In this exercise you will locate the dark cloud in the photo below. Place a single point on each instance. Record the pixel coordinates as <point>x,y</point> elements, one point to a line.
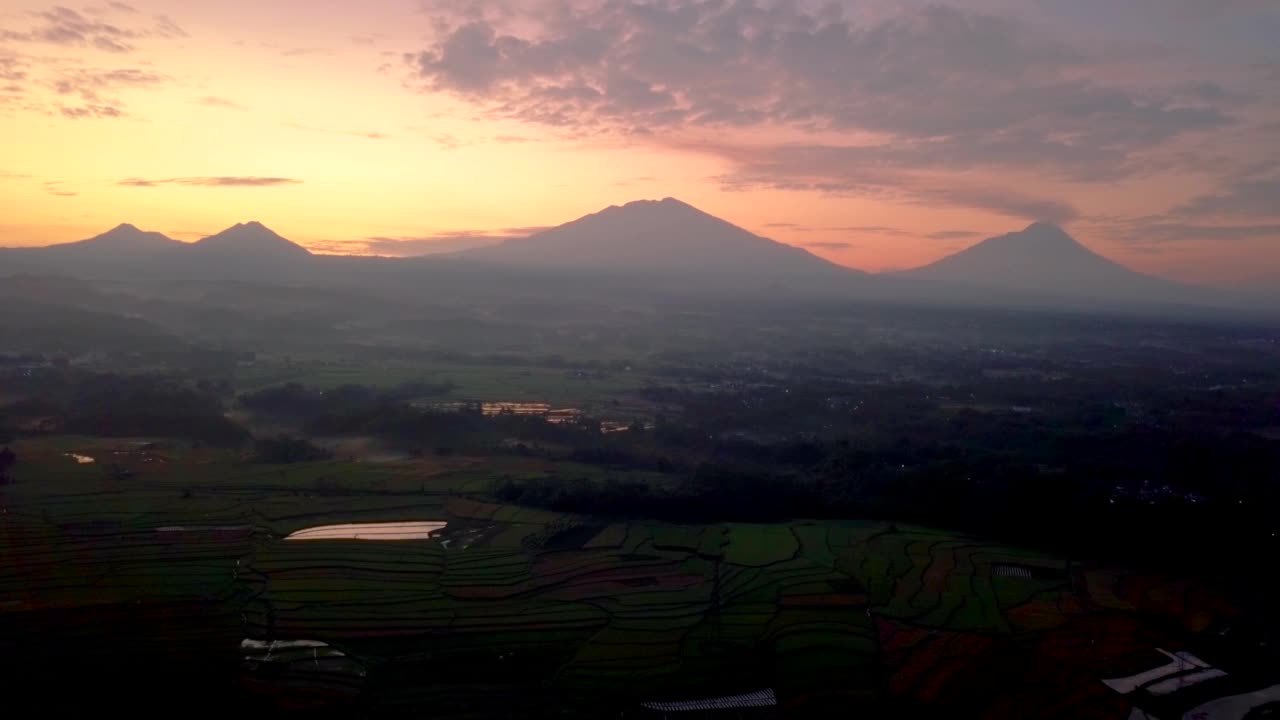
<point>855,171</point>
<point>12,69</point>
<point>217,181</point>
<point>14,72</point>
<point>165,27</point>
<point>638,180</point>
<point>523,230</point>
<point>98,89</point>
<point>368,134</point>
<point>90,84</point>
<point>1150,249</point>
<point>1207,91</point>
<point>431,245</point>
<point>956,89</point>
<point>1000,201</point>
<point>299,51</point>
<point>212,101</point>
<point>92,29</point>
<point>54,187</point>
<point>880,230</point>
<point>1248,197</point>
<point>451,142</point>
<point>439,243</point>
<point>91,111</point>
<point>954,235</point>
<point>825,245</point>
<point>1166,232</point>
<point>109,45</point>
<point>872,230</point>
<point>64,26</point>
<point>503,233</point>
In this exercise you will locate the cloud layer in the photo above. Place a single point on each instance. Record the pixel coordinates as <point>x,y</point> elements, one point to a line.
<point>905,99</point>
<point>92,29</point>
<point>214,181</point>
<point>76,63</point>
<point>433,244</point>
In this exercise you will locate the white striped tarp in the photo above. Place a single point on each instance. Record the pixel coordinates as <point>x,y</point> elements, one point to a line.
<point>760,698</point>
<point>1012,571</point>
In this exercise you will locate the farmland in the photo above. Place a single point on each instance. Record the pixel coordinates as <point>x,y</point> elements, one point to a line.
<point>603,508</point>
<point>551,612</point>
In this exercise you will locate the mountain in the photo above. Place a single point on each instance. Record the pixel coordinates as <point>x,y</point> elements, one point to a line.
<point>248,240</point>
<point>1046,261</point>
<point>123,238</point>
<point>246,250</point>
<point>121,250</point>
<point>657,237</point>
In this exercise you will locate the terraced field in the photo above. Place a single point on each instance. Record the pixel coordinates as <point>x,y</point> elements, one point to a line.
<point>183,576</point>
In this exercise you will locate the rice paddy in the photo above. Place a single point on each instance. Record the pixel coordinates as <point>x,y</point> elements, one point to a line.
<point>485,605</point>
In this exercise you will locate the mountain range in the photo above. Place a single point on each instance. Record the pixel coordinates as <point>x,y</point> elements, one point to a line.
<point>655,241</point>
<point>244,239</point>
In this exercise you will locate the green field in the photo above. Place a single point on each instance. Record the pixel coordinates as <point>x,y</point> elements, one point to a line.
<point>514,604</point>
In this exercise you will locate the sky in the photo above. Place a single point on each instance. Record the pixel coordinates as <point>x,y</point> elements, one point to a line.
<point>880,135</point>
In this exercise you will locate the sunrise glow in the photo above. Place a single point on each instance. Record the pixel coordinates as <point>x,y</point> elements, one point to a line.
<point>879,135</point>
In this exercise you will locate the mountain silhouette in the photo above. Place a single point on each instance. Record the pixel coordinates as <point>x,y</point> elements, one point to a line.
<point>246,250</point>
<point>654,244</point>
<point>249,240</point>
<point>656,236</point>
<point>1045,260</point>
<point>123,238</point>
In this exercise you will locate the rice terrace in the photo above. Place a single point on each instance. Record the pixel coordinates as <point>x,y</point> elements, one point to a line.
<point>407,589</point>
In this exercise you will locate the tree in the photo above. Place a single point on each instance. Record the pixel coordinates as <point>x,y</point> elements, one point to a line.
<point>118,472</point>
<point>288,449</point>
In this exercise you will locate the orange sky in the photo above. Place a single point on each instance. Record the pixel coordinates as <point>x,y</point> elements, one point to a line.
<point>877,137</point>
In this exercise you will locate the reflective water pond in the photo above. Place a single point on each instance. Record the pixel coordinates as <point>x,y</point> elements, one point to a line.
<point>300,656</point>
<point>418,530</point>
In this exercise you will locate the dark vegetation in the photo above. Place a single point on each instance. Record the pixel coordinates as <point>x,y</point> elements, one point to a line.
<point>287,449</point>
<point>1106,435</point>
<point>113,405</point>
<point>7,460</point>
